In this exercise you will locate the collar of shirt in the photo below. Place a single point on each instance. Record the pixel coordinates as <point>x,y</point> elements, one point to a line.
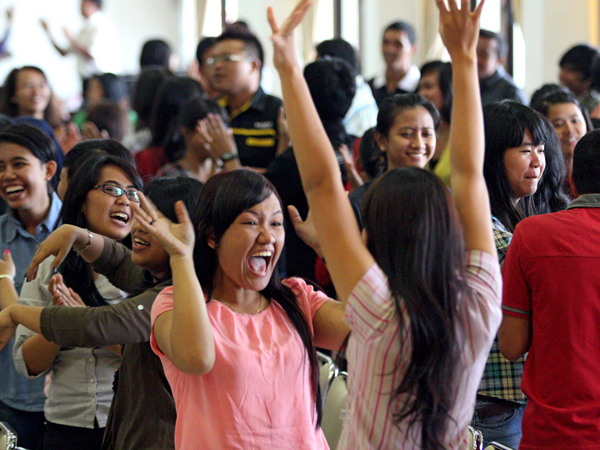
<point>257,102</point>
<point>10,226</point>
<point>586,201</point>
<point>409,83</point>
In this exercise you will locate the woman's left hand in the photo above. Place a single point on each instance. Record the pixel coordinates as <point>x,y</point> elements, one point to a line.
<point>284,56</point>
<point>176,238</point>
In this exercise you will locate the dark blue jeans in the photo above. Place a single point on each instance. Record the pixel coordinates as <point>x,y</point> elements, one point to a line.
<point>62,437</point>
<point>29,426</point>
<point>504,428</point>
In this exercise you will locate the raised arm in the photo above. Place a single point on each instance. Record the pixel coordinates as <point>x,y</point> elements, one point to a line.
<point>347,257</point>
<point>183,334</point>
<point>59,244</point>
<point>459,29</point>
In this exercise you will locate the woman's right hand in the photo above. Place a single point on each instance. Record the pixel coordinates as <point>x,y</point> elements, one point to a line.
<point>7,327</point>
<point>58,244</point>
<point>176,238</point>
<point>63,295</point>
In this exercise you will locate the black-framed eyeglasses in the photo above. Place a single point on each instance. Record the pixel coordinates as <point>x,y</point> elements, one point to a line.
<point>227,57</point>
<point>116,191</point>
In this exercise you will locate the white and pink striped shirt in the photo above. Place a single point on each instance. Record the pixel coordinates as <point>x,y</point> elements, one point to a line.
<point>378,357</point>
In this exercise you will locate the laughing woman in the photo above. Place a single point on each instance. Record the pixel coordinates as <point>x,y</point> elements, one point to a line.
<point>80,389</point>
<point>27,164</point>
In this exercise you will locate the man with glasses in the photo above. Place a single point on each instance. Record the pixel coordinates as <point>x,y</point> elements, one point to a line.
<point>236,61</point>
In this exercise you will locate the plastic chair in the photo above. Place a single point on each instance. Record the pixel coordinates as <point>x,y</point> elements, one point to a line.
<point>334,409</point>
<point>327,372</point>
<point>8,439</point>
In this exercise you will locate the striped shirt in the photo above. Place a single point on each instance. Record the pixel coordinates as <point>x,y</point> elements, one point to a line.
<point>378,356</point>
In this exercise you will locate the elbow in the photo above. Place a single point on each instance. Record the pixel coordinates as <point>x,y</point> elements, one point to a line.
<point>198,365</point>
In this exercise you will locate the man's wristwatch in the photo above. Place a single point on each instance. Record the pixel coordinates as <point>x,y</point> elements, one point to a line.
<point>228,156</point>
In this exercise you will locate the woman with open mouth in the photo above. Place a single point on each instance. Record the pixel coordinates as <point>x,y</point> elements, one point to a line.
<point>80,391</point>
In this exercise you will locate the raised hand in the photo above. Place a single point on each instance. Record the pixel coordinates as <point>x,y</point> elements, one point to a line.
<point>63,295</point>
<point>284,55</point>
<point>176,238</point>
<point>7,266</point>
<point>305,229</point>
<point>59,244</point>
<point>218,135</point>
<point>459,28</point>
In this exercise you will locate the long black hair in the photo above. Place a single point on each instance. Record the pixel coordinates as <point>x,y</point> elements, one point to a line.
<point>505,125</point>
<point>224,197</point>
<point>414,235</point>
<point>76,272</point>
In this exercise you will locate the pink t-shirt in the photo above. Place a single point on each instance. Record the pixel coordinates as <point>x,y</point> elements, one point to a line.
<point>258,394</point>
<point>378,356</point>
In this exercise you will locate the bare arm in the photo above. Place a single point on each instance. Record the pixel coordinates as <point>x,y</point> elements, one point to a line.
<point>460,30</point>
<point>347,257</point>
<point>39,354</point>
<point>514,337</point>
<point>183,334</point>
<point>59,49</point>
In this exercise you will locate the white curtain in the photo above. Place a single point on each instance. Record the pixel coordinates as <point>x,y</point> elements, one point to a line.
<point>430,42</point>
<point>308,32</point>
<point>201,7</point>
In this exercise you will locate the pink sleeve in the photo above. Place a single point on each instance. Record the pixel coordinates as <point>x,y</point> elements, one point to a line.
<point>163,303</point>
<point>370,307</point>
<point>308,299</point>
<point>516,298</point>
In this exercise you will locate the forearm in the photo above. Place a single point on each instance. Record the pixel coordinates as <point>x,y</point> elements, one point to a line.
<point>466,132</point>
<point>28,316</point>
<point>8,293</point>
<point>89,249</point>
<point>39,354</point>
<point>315,156</point>
<point>192,347</point>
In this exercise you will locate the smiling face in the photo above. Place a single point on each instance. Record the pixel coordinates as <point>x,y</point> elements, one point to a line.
<point>32,93</point>
<point>411,139</point>
<point>230,77</point>
<point>24,178</point>
<point>569,124</point>
<point>147,252</point>
<point>107,215</point>
<point>397,50</point>
<point>250,248</point>
<point>524,166</point>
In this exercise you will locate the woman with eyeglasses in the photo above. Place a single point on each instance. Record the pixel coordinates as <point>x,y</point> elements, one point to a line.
<point>80,390</point>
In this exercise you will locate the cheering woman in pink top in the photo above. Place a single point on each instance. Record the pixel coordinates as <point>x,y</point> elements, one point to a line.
<point>423,313</point>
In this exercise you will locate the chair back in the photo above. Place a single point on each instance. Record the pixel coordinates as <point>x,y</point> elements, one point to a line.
<point>334,409</point>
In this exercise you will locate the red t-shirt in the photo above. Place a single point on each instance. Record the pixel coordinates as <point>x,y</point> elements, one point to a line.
<point>551,276</point>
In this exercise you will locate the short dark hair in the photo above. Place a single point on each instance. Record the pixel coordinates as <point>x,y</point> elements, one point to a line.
<point>581,58</point>
<point>543,91</point>
<point>98,3</point>
<point>146,90</point>
<point>155,52</point>
<point>111,117</point>
<point>543,104</point>
<point>204,46</point>
<point>339,48</point>
<point>113,86</point>
<point>252,45</point>
<point>32,138</point>
<point>332,87</point>
<point>403,26</point>
<point>501,47</point>
<point>84,150</point>
<point>586,164</point>
<point>370,155</point>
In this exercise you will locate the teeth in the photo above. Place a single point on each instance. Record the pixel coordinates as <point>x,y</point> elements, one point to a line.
<point>12,189</point>
<point>121,216</point>
<point>263,254</point>
<point>138,241</point>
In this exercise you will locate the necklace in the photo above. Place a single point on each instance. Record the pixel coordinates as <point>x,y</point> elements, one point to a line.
<point>230,307</point>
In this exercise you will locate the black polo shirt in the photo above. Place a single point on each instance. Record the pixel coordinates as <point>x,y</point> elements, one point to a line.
<point>255,130</point>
